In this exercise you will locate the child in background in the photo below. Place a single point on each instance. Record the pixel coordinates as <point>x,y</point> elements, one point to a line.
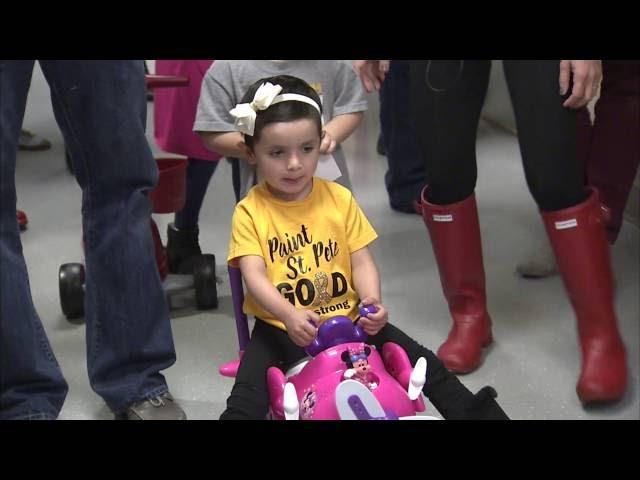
<point>294,230</point>
<point>174,114</point>
<point>342,96</point>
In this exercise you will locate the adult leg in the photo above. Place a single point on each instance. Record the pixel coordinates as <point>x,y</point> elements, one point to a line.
<point>405,177</point>
<point>447,97</point>
<point>574,222</point>
<point>615,150</point>
<point>31,383</point>
<point>541,262</point>
<point>101,110</point>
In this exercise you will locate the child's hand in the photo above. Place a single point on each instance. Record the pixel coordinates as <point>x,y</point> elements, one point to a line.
<point>327,144</point>
<point>373,322</point>
<point>299,326</point>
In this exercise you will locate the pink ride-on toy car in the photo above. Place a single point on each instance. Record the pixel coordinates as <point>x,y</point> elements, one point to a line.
<point>167,197</point>
<point>343,377</point>
<point>346,379</point>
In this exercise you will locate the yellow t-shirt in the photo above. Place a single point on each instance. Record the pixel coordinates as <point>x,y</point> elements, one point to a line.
<point>306,246</point>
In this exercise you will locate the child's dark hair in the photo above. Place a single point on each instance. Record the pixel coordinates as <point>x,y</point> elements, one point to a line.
<point>283,111</point>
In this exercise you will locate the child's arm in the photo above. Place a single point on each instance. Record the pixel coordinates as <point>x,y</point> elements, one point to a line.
<point>213,123</point>
<point>226,144</point>
<point>296,320</point>
<point>338,129</point>
<point>366,281</point>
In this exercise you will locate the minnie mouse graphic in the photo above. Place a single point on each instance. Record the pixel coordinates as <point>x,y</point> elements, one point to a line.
<point>359,368</point>
<point>308,403</point>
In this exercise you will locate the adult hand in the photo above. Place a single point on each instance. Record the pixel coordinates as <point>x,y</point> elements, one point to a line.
<point>587,75</point>
<point>371,73</point>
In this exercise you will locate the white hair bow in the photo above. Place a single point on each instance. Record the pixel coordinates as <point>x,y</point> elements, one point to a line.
<point>267,95</point>
<point>245,113</point>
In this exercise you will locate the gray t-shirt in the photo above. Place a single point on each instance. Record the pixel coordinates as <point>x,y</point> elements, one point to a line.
<point>226,82</point>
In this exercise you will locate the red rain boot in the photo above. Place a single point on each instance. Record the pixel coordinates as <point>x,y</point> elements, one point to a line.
<point>580,244</point>
<point>455,237</point>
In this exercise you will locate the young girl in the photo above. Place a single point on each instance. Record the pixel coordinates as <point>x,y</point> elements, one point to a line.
<point>302,246</point>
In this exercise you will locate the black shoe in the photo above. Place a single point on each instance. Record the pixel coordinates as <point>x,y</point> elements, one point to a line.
<point>484,407</point>
<point>380,146</point>
<point>182,249</point>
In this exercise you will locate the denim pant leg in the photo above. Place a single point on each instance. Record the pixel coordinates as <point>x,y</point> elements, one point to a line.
<point>31,383</point>
<point>406,176</point>
<point>101,109</point>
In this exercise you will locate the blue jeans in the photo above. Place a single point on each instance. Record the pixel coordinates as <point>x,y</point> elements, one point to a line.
<point>406,175</point>
<point>100,107</point>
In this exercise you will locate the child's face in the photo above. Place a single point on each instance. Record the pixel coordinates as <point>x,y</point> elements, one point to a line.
<point>287,155</point>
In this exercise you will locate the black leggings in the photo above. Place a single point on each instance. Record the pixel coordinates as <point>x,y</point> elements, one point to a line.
<point>269,346</point>
<point>447,100</point>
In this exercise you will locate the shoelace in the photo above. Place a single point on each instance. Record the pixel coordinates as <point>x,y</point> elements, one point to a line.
<point>157,401</point>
